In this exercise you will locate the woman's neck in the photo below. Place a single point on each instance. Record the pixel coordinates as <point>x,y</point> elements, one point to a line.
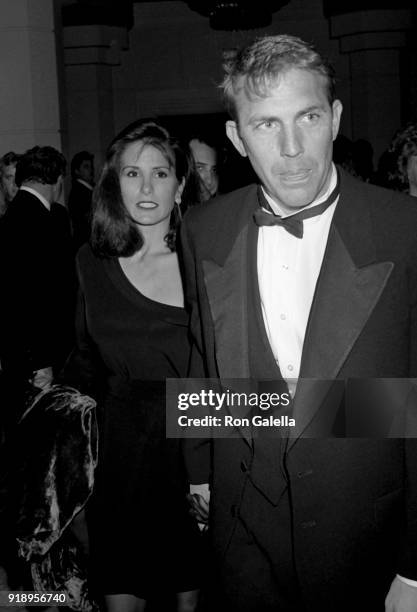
<point>154,242</point>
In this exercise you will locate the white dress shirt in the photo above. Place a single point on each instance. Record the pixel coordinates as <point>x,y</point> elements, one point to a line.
<point>288,269</point>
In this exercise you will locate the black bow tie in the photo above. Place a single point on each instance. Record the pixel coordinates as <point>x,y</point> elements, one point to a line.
<point>293,224</point>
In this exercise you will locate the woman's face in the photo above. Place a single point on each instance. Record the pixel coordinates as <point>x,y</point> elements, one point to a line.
<point>148,184</point>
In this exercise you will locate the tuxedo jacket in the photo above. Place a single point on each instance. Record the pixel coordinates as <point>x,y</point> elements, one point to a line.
<point>37,278</point>
<point>353,503</point>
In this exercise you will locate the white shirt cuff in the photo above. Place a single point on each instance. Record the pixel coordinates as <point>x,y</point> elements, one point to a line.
<point>201,489</point>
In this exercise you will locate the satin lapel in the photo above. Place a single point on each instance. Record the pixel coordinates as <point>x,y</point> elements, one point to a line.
<point>345,297</point>
<point>226,288</point>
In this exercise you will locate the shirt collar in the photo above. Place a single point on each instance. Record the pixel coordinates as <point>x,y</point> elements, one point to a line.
<point>90,187</point>
<point>332,184</point>
<point>37,195</point>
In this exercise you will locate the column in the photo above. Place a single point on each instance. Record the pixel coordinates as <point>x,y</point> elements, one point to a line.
<point>374,42</point>
<point>29,100</point>
<point>90,52</point>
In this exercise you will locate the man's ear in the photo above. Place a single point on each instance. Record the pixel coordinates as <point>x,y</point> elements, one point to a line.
<point>232,132</point>
<point>337,108</point>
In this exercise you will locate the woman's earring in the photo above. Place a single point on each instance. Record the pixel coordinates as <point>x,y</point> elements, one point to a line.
<point>178,203</point>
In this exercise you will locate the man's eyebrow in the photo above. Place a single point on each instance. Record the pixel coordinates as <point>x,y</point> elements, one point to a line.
<point>300,113</point>
<point>258,118</point>
<point>312,108</point>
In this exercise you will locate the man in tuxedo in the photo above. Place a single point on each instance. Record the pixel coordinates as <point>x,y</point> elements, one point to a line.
<point>37,274</point>
<point>310,275</point>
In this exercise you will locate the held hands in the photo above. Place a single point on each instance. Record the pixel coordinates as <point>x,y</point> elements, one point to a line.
<point>199,500</point>
<point>401,597</point>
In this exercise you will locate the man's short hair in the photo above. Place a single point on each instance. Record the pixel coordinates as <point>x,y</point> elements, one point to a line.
<point>264,60</point>
<point>40,164</point>
<point>78,159</point>
<point>9,159</point>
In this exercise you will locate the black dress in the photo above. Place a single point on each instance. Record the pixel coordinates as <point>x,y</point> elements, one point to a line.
<point>141,535</point>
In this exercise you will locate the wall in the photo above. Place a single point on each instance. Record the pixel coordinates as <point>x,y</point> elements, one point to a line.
<point>174,59</point>
<point>170,62</point>
<point>29,101</point>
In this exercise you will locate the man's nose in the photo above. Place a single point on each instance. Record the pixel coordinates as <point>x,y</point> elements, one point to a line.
<point>209,177</point>
<point>291,142</point>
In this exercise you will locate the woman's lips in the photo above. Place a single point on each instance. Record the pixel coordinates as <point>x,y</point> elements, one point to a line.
<point>147,205</point>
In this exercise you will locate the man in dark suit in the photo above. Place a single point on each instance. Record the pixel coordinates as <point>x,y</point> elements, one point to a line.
<point>36,272</point>
<point>311,275</point>
<point>79,201</point>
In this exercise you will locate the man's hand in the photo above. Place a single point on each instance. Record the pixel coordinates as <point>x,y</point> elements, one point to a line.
<point>199,507</point>
<point>199,500</point>
<point>401,597</point>
<point>42,379</point>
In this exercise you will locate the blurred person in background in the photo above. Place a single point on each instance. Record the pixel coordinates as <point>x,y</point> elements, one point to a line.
<point>79,201</point>
<point>363,155</point>
<point>404,149</point>
<point>343,153</point>
<point>206,158</point>
<point>37,275</point>
<point>8,187</point>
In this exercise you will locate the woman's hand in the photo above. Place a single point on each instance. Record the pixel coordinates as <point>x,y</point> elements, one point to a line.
<point>200,504</point>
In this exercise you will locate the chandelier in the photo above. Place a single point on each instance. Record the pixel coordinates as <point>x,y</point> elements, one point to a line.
<point>237,14</point>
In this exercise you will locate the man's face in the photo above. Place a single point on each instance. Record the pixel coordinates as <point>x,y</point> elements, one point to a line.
<point>7,180</point>
<point>86,171</point>
<point>205,159</point>
<point>288,137</point>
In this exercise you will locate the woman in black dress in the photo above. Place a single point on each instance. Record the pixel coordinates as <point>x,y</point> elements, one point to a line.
<point>132,334</point>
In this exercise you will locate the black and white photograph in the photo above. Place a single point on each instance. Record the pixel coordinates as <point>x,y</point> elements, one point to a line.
<point>208,305</point>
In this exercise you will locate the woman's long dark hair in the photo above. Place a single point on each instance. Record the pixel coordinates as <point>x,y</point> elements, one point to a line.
<point>113,232</point>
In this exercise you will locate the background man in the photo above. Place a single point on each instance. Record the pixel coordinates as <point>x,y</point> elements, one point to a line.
<point>79,201</point>
<point>8,186</point>
<point>329,292</point>
<point>404,150</point>
<point>206,160</point>
<point>36,270</point>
